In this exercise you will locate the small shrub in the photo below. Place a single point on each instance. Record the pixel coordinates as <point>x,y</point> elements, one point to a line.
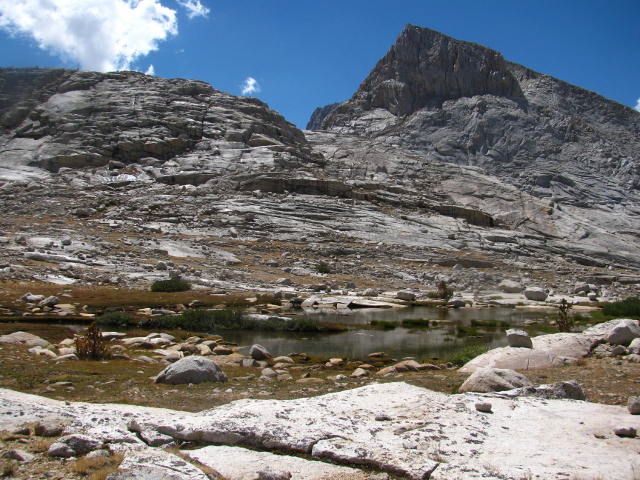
<point>444,292</point>
<point>91,346</point>
<point>119,319</point>
<point>173,285</point>
<point>323,268</point>
<point>467,354</point>
<point>629,307</point>
<point>565,321</point>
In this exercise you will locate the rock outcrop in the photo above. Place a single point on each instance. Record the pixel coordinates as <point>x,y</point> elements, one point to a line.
<point>390,428</point>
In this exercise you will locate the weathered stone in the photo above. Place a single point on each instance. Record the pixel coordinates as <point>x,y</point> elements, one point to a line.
<point>494,380</point>
<point>535,294</point>
<point>24,338</point>
<point>484,407</point>
<point>509,286</point>
<point>192,369</point>
<point>624,332</point>
<point>625,431</point>
<point>258,352</point>
<point>72,445</point>
<point>407,296</point>
<point>51,301</point>
<point>633,405</point>
<point>519,338</point>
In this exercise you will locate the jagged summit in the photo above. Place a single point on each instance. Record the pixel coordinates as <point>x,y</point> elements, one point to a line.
<point>425,67</point>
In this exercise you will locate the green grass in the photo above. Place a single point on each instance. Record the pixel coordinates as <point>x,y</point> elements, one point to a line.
<point>209,321</point>
<point>384,324</point>
<point>172,285</point>
<point>467,354</point>
<point>629,307</point>
<point>323,268</point>
<point>461,330</point>
<point>416,322</point>
<point>490,324</point>
<point>118,319</point>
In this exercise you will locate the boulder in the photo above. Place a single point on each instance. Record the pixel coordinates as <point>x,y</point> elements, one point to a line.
<point>258,352</point>
<point>192,369</point>
<point>633,405</point>
<point>30,298</point>
<point>519,338</point>
<point>634,346</point>
<point>73,445</point>
<point>515,359</point>
<point>456,303</point>
<point>24,338</point>
<point>624,332</point>
<point>559,390</point>
<point>50,302</point>
<point>406,296</point>
<point>486,380</point>
<point>509,286</point>
<point>574,345</point>
<point>536,294</point>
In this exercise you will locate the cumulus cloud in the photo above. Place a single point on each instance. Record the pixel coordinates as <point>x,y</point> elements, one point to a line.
<point>250,86</point>
<point>638,105</point>
<point>194,8</point>
<point>102,35</point>
<point>150,71</point>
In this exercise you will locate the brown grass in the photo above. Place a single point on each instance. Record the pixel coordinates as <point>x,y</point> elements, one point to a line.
<point>97,468</point>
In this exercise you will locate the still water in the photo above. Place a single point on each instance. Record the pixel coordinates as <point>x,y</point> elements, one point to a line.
<point>423,343</point>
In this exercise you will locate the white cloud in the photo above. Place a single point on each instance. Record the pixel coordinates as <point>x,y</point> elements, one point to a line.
<point>250,86</point>
<point>638,105</point>
<point>102,35</point>
<point>194,8</point>
<point>150,71</point>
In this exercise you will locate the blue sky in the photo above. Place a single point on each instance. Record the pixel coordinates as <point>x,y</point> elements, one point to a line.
<point>305,54</point>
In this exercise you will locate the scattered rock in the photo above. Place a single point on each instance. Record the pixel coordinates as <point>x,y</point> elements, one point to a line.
<point>625,431</point>
<point>624,332</point>
<point>484,407</point>
<point>50,302</point>
<point>192,369</point>
<point>509,286</point>
<point>535,294</point>
<point>633,405</point>
<point>73,445</point>
<point>258,352</point>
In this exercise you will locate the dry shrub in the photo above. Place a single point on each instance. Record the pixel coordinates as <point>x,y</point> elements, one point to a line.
<point>92,346</point>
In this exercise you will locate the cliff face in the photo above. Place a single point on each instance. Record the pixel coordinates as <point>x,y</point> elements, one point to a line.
<point>54,118</point>
<point>458,102</point>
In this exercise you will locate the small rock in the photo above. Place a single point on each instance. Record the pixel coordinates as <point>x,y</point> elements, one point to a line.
<point>72,445</point>
<point>485,380</point>
<point>407,296</point>
<point>50,302</point>
<point>625,431</point>
<point>359,372</point>
<point>19,455</point>
<point>535,294</point>
<point>618,350</point>
<point>519,338</point>
<point>271,474</point>
<point>484,407</point>
<point>47,428</point>
<point>633,405</point>
<point>509,286</point>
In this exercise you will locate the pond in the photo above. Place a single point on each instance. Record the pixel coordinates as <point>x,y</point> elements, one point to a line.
<point>435,342</point>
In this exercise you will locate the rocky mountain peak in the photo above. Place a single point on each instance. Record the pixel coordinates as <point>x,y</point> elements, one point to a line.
<point>425,67</point>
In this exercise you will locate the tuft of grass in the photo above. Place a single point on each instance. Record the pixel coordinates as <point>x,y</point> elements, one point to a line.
<point>461,331</point>
<point>490,324</point>
<point>98,468</point>
<point>467,354</point>
<point>7,468</point>
<point>416,322</point>
<point>173,285</point>
<point>629,307</point>
<point>384,324</point>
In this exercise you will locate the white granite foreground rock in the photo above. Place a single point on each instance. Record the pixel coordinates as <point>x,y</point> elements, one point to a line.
<point>392,427</point>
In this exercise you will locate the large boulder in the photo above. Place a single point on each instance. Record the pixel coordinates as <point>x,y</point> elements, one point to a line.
<point>485,380</point>
<point>258,352</point>
<point>24,338</point>
<point>510,286</point>
<point>536,294</point>
<point>624,332</point>
<point>575,345</point>
<point>192,369</point>
<point>516,359</point>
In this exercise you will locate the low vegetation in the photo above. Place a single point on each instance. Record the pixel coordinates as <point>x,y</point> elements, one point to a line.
<point>384,324</point>
<point>417,322</point>
<point>625,308</point>
<point>92,345</point>
<point>467,354</point>
<point>118,319</point>
<point>173,285</point>
<point>565,320</point>
<point>210,321</point>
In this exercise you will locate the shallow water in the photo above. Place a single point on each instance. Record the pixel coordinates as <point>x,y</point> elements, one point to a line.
<point>423,343</point>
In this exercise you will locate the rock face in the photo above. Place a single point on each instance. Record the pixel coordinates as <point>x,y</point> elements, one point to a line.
<point>192,369</point>
<point>446,155</point>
